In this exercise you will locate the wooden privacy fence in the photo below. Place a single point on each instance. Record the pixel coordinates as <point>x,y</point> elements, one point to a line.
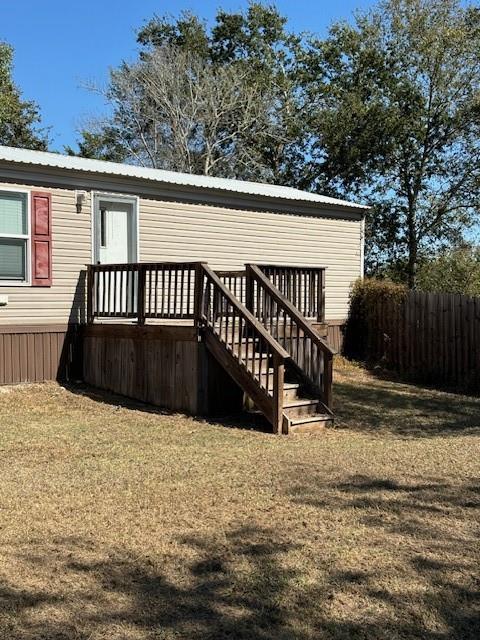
<point>433,337</point>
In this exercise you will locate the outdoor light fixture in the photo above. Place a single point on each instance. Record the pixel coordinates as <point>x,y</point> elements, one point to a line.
<point>80,197</point>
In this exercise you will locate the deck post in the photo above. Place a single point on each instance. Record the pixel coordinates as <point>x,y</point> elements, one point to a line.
<point>90,293</point>
<point>198,295</point>
<point>321,297</point>
<point>278,383</point>
<point>141,285</point>
<point>248,288</point>
<point>328,380</point>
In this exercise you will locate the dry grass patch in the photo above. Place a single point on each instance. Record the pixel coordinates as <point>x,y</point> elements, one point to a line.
<point>120,523</point>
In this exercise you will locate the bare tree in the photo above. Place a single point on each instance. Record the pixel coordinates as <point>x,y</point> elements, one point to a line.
<point>176,111</point>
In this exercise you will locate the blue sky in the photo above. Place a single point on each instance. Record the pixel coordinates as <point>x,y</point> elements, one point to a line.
<point>61,44</point>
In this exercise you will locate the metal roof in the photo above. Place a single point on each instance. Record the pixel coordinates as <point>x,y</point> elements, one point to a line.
<point>160,176</point>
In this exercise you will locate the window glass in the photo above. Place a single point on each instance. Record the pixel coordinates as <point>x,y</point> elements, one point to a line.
<point>13,213</point>
<point>12,259</point>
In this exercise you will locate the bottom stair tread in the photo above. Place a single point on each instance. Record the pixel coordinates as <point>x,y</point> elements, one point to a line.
<point>315,418</point>
<point>310,424</point>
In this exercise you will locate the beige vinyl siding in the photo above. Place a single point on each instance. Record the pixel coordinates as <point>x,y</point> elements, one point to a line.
<point>224,237</point>
<point>71,252</point>
<point>228,238</point>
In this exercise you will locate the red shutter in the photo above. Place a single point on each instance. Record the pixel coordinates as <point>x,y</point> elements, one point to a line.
<point>41,239</point>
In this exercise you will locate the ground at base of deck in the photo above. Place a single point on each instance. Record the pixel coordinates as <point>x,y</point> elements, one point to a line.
<point>123,523</point>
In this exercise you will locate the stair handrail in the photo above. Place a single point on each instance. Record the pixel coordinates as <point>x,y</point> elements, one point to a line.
<point>254,273</point>
<point>253,328</point>
<point>212,276</point>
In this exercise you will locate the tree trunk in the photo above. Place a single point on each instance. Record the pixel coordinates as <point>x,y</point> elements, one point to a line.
<point>412,249</point>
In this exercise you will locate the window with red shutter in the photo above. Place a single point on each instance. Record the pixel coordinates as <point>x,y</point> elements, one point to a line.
<point>41,239</point>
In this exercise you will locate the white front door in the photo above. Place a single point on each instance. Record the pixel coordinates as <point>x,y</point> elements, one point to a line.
<point>115,232</point>
<point>115,242</point>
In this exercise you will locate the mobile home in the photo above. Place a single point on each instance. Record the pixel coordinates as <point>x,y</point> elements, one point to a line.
<point>97,258</point>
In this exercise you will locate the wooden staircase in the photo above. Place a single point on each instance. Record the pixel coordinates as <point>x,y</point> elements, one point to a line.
<point>270,350</point>
<point>253,321</point>
<point>301,411</point>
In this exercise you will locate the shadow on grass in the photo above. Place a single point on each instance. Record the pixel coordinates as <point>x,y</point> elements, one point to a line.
<point>430,529</point>
<point>235,420</point>
<point>361,403</point>
<point>238,587</point>
<point>231,589</point>
<point>405,410</point>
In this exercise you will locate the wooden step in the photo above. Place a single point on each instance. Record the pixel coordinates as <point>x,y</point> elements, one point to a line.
<point>310,424</point>
<point>301,407</point>
<point>229,331</point>
<point>291,391</point>
<point>301,413</point>
<point>265,366</point>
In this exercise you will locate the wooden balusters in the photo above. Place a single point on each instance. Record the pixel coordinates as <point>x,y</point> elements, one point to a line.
<point>304,287</point>
<point>141,290</point>
<point>235,282</point>
<point>311,354</point>
<point>141,285</point>
<point>111,291</point>
<point>166,290</point>
<point>252,347</point>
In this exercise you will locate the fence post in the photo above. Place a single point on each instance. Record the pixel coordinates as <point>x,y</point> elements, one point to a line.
<point>90,293</point>
<point>141,285</point>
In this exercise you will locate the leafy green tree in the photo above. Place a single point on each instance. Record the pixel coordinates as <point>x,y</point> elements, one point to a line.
<point>455,271</point>
<point>396,121</point>
<point>19,119</point>
<point>386,110</point>
<point>100,145</point>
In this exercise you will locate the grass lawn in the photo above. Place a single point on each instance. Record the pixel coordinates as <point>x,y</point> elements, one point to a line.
<point>121,523</point>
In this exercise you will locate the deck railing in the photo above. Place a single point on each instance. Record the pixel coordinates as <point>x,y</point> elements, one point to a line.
<point>166,290</point>
<point>235,281</point>
<point>243,313</point>
<point>157,290</point>
<point>112,291</point>
<point>303,286</point>
<point>312,356</point>
<point>246,340</point>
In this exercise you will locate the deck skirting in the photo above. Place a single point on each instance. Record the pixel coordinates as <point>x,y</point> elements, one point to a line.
<point>167,366</point>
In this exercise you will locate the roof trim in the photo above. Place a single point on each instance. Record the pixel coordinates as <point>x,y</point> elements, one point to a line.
<point>162,177</point>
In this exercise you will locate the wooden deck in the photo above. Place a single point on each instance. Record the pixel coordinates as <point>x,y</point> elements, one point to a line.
<point>187,333</point>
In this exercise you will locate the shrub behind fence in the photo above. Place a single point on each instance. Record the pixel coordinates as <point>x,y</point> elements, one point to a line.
<point>432,337</point>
